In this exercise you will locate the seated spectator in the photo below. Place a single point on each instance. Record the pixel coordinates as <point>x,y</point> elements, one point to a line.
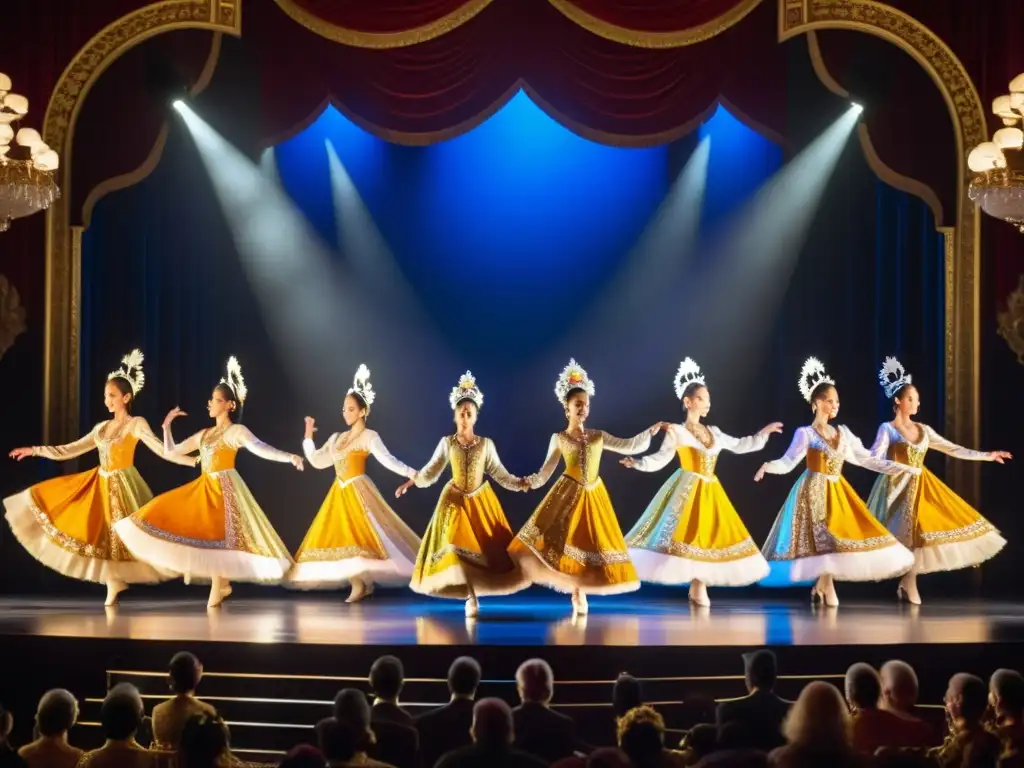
<point>626,694</point>
<point>447,727</point>
<point>56,713</point>
<point>899,697</point>
<point>8,757</point>
<point>1006,697</point>
<point>120,719</point>
<point>642,738</point>
<point>969,743</point>
<point>540,730</point>
<point>492,732</point>
<point>387,677</point>
<point>874,728</point>
<point>389,742</point>
<point>204,743</point>
<point>817,729</point>
<point>169,716</point>
<point>344,742</point>
<point>700,741</point>
<point>762,712</point>
<point>303,756</point>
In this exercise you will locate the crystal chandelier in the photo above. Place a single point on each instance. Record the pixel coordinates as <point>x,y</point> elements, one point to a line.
<point>998,165</point>
<point>26,179</point>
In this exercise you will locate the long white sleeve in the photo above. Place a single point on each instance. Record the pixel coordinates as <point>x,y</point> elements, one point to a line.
<point>383,455</point>
<point>629,447</point>
<point>538,479</point>
<point>141,430</point>
<point>880,448</point>
<point>855,453</point>
<point>794,454</point>
<point>660,459</point>
<point>748,444</point>
<point>948,447</point>
<point>240,436</point>
<point>494,468</point>
<point>69,450</point>
<point>432,470</point>
<point>322,457</point>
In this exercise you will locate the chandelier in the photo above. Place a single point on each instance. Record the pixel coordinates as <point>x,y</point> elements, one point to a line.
<point>26,178</point>
<point>998,165</point>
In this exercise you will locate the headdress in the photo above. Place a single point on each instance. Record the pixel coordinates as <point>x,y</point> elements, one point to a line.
<point>893,376</point>
<point>688,373</point>
<point>811,375</point>
<point>234,379</point>
<point>361,385</point>
<point>131,371</point>
<point>466,389</point>
<point>573,377</point>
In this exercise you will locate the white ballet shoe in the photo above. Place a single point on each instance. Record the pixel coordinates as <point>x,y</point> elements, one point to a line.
<point>472,608</point>
<point>907,590</point>
<point>114,588</point>
<point>579,603</point>
<point>827,589</point>
<point>359,591</point>
<point>219,590</point>
<point>699,594</point>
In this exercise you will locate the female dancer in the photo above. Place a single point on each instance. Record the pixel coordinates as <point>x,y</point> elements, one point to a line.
<point>572,542</point>
<point>66,523</point>
<point>942,530</point>
<point>465,549</point>
<point>212,528</point>
<point>690,532</point>
<point>356,536</point>
<point>824,530</point>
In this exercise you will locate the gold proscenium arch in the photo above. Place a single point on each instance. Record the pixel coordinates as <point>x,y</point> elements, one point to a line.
<point>63,242</point>
<point>963,241</point>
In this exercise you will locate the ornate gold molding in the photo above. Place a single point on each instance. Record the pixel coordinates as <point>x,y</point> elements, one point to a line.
<point>963,274</point>
<point>63,242</point>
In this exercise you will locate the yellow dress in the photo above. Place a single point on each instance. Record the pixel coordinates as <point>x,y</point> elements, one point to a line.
<point>944,531</point>
<point>211,526</point>
<point>355,535</point>
<point>573,540</point>
<point>824,527</point>
<point>67,522</point>
<point>466,543</point>
<point>690,530</point>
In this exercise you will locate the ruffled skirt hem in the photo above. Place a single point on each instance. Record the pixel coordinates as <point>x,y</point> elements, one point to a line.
<point>454,583</point>
<point>960,554</point>
<point>870,565</point>
<point>661,568</point>
<point>331,574</point>
<point>591,582</point>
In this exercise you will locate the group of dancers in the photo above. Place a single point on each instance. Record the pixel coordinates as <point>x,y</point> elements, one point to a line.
<point>105,525</point>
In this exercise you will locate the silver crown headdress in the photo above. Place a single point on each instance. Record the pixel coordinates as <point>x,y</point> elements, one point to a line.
<point>361,385</point>
<point>466,389</point>
<point>573,376</point>
<point>234,379</point>
<point>811,375</point>
<point>893,376</point>
<point>131,371</point>
<point>688,373</point>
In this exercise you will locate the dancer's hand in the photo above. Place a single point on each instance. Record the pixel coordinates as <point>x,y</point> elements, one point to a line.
<point>760,473</point>
<point>1000,457</point>
<point>297,462</point>
<point>400,490</point>
<point>774,428</point>
<point>172,414</point>
<point>629,461</point>
<point>310,427</point>
<point>20,453</point>
<point>659,427</point>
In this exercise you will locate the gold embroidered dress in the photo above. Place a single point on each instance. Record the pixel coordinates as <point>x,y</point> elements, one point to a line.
<point>67,522</point>
<point>944,531</point>
<point>690,530</point>
<point>573,540</point>
<point>213,525</point>
<point>466,543</point>
<point>824,527</point>
<point>355,535</point>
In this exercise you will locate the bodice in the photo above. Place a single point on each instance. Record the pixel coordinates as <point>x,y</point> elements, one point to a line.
<point>695,460</point>
<point>904,452</point>
<point>824,460</point>
<point>117,452</point>
<point>468,463</point>
<point>214,454</point>
<point>582,457</point>
<point>352,464</point>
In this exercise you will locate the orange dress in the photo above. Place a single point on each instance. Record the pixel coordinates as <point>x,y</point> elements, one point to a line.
<point>211,526</point>
<point>67,522</point>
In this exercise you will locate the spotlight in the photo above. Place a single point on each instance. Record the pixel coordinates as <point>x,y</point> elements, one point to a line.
<point>178,104</point>
<point>857,108</point>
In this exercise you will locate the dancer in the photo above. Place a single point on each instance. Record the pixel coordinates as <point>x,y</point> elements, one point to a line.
<point>212,528</point>
<point>824,530</point>
<point>941,529</point>
<point>356,536</point>
<point>690,531</point>
<point>572,542</point>
<point>464,554</point>
<point>66,523</point>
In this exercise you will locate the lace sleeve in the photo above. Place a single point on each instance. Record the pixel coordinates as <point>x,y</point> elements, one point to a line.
<point>433,468</point>
<point>496,469</point>
<point>660,458</point>
<point>538,479</point>
<point>322,457</point>
<point>383,455</point>
<point>880,448</point>
<point>948,447</point>
<point>749,444</point>
<point>240,436</point>
<point>855,453</point>
<point>141,430</point>
<point>69,450</point>
<point>630,447</point>
<point>793,456</point>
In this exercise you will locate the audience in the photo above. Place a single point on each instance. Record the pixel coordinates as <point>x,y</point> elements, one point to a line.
<point>701,740</point>
<point>344,742</point>
<point>303,756</point>
<point>204,743</point>
<point>120,719</point>
<point>969,743</point>
<point>356,738</point>
<point>626,694</point>
<point>447,727</point>
<point>387,676</point>
<point>761,713</point>
<point>170,716</point>
<point>493,737</point>
<point>540,730</point>
<point>817,730</point>
<point>8,757</point>
<point>874,728</point>
<point>56,713</point>
<point>1006,699</point>
<point>899,697</point>
<point>642,738</point>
